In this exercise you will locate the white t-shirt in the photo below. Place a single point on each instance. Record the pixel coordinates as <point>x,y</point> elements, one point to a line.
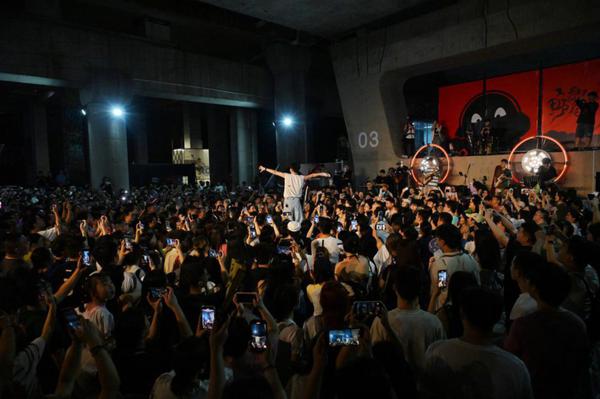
<point>162,387</point>
<point>456,368</point>
<point>290,333</point>
<point>133,277</point>
<point>332,245</point>
<point>293,185</point>
<point>416,330</point>
<point>105,323</point>
<point>523,306</point>
<point>382,259</point>
<point>101,318</point>
<point>314,295</point>
<point>358,266</point>
<point>452,262</point>
<point>25,367</point>
<point>50,234</point>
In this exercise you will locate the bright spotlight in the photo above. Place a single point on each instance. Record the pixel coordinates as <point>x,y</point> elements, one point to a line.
<point>532,160</point>
<point>83,112</point>
<point>287,121</point>
<point>429,164</point>
<point>117,111</point>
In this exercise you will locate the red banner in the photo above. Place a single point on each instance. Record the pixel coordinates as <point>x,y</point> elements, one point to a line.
<point>511,103</point>
<point>517,103</point>
<point>562,86</point>
<point>452,100</point>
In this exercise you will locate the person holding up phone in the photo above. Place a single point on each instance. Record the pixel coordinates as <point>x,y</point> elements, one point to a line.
<point>452,259</point>
<point>30,356</point>
<point>100,289</point>
<point>85,333</point>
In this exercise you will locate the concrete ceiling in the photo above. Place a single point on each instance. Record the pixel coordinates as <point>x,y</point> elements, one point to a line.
<point>326,18</point>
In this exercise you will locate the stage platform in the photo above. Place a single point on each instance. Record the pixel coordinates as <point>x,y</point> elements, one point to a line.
<point>580,174</point>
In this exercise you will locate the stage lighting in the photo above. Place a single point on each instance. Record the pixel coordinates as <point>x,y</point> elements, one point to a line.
<point>532,160</point>
<point>287,121</point>
<point>117,111</point>
<point>429,164</point>
<point>83,112</point>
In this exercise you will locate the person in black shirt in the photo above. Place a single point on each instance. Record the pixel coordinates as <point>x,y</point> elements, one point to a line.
<point>546,173</point>
<point>586,120</point>
<point>408,138</point>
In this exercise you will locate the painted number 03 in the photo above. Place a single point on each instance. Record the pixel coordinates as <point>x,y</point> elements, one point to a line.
<point>371,139</point>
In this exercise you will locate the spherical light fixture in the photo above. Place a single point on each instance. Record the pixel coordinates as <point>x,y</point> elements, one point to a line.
<point>533,159</point>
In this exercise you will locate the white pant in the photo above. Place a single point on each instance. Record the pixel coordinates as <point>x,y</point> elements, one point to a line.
<point>293,206</point>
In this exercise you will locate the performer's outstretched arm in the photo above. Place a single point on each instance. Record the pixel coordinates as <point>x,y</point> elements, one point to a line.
<point>271,171</point>
<point>315,175</point>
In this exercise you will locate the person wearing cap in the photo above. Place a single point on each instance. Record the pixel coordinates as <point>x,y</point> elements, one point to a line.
<point>293,189</point>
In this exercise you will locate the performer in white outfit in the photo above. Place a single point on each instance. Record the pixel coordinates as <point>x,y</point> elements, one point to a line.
<point>294,188</point>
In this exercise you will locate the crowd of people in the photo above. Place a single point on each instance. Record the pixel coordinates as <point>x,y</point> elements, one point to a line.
<point>385,290</point>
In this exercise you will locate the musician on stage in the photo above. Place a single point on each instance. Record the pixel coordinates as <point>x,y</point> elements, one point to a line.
<point>408,138</point>
<point>546,173</point>
<point>502,177</point>
<point>586,120</point>
<point>486,138</point>
<point>437,134</point>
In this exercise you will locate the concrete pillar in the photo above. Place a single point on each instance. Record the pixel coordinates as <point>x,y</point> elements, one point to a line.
<point>218,144</point>
<point>107,147</point>
<point>38,130</point>
<point>289,65</point>
<point>192,125</point>
<point>244,153</point>
<point>187,134</point>
<point>139,134</point>
<point>107,133</point>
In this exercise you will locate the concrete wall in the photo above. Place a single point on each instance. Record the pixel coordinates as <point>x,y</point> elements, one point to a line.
<point>49,52</point>
<point>372,68</point>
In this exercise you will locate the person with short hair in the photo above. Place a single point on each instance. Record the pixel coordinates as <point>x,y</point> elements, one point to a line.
<point>326,240</point>
<point>586,120</point>
<point>453,259</point>
<point>355,267</point>
<point>293,189</point>
<point>524,265</point>
<point>415,328</point>
<point>551,341</point>
<point>472,366</point>
<point>585,284</point>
